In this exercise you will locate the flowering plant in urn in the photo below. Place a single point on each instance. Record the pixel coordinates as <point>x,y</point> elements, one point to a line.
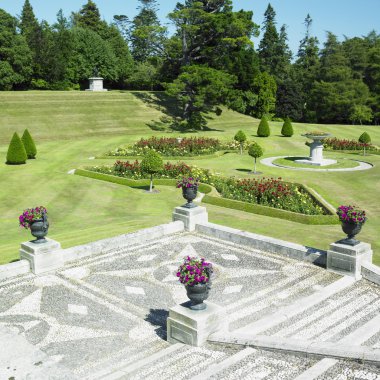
<point>351,214</point>
<point>31,215</point>
<point>194,271</point>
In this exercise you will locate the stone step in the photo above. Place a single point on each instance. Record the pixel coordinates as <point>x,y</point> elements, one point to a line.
<point>285,313</point>
<point>334,317</point>
<point>265,302</point>
<point>185,362</point>
<point>256,365</point>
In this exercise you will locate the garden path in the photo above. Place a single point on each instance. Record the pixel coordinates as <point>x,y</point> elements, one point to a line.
<point>104,317</point>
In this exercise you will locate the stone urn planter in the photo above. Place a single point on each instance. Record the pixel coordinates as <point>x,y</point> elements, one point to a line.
<point>352,219</point>
<point>190,193</point>
<point>36,220</point>
<point>351,230</point>
<point>39,229</point>
<point>189,187</point>
<point>197,294</point>
<point>195,274</point>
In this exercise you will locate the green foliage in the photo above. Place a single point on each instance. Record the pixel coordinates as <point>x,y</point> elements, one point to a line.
<point>263,130</point>
<point>16,152</point>
<point>200,89</point>
<point>15,55</point>
<point>29,145</point>
<point>240,136</point>
<point>89,17</point>
<point>287,128</point>
<point>365,138</point>
<point>152,162</point>
<point>143,77</point>
<point>361,113</point>
<point>255,150</point>
<point>265,87</point>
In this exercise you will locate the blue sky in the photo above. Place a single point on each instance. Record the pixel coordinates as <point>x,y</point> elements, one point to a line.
<point>342,17</point>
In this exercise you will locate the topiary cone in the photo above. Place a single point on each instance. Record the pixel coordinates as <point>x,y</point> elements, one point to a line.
<point>263,130</point>
<point>30,146</point>
<point>287,128</point>
<point>16,152</point>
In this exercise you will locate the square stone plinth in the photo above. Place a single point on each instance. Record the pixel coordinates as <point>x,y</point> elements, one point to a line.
<point>190,216</point>
<point>43,257</point>
<point>193,327</point>
<point>347,260</point>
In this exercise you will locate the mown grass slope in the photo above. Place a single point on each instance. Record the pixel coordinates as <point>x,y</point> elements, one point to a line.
<point>70,127</point>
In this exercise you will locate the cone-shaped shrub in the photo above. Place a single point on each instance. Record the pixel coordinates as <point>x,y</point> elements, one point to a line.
<point>287,128</point>
<point>16,152</point>
<point>29,145</point>
<point>365,138</point>
<point>263,129</point>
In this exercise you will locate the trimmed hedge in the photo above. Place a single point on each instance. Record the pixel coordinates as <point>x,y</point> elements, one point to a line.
<point>223,202</point>
<point>16,154</point>
<point>171,158</point>
<point>204,188</point>
<point>30,146</point>
<point>271,211</point>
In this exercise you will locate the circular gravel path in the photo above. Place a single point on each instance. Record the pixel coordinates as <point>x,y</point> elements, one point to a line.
<point>361,166</point>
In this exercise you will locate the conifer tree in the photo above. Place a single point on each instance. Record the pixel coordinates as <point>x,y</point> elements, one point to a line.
<point>263,130</point>
<point>287,128</point>
<point>16,154</point>
<point>29,145</point>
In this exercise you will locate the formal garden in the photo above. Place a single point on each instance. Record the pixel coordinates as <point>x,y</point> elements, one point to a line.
<point>102,136</point>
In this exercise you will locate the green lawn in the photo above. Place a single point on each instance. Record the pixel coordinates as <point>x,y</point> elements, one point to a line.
<point>70,127</point>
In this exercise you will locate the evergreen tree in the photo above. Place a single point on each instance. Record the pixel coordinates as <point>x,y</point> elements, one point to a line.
<point>29,145</point>
<point>263,130</point>
<point>336,93</point>
<point>268,47</point>
<point>287,128</point>
<point>147,36</point>
<point>306,69</point>
<point>240,137</point>
<point>151,164</point>
<point>264,86</point>
<point>255,151</point>
<point>15,55</point>
<point>16,154</point>
<point>89,17</point>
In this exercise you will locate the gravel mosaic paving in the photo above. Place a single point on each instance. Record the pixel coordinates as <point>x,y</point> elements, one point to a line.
<point>351,371</point>
<point>108,311</point>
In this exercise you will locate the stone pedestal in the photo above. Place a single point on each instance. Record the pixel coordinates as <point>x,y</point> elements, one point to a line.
<point>347,260</point>
<point>190,216</point>
<point>44,257</point>
<point>194,327</point>
<point>96,84</point>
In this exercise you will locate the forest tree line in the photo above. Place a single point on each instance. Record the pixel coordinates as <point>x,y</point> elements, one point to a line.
<point>208,60</point>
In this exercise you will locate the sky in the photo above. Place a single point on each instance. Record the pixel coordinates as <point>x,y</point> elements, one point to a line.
<point>342,17</point>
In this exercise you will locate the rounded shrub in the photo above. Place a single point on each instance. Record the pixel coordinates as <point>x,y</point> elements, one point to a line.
<point>240,137</point>
<point>365,138</point>
<point>16,152</point>
<point>263,130</point>
<point>287,128</point>
<point>29,145</point>
<point>255,151</point>
<point>151,163</point>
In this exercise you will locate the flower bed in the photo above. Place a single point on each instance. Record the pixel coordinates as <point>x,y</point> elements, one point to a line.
<point>265,191</point>
<point>339,144</point>
<point>175,147</point>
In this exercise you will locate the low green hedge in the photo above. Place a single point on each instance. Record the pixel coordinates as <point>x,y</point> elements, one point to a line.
<point>204,188</point>
<point>178,158</point>
<point>223,202</point>
<point>270,211</point>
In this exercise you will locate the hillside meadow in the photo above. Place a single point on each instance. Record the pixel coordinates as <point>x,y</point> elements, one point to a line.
<point>71,127</point>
